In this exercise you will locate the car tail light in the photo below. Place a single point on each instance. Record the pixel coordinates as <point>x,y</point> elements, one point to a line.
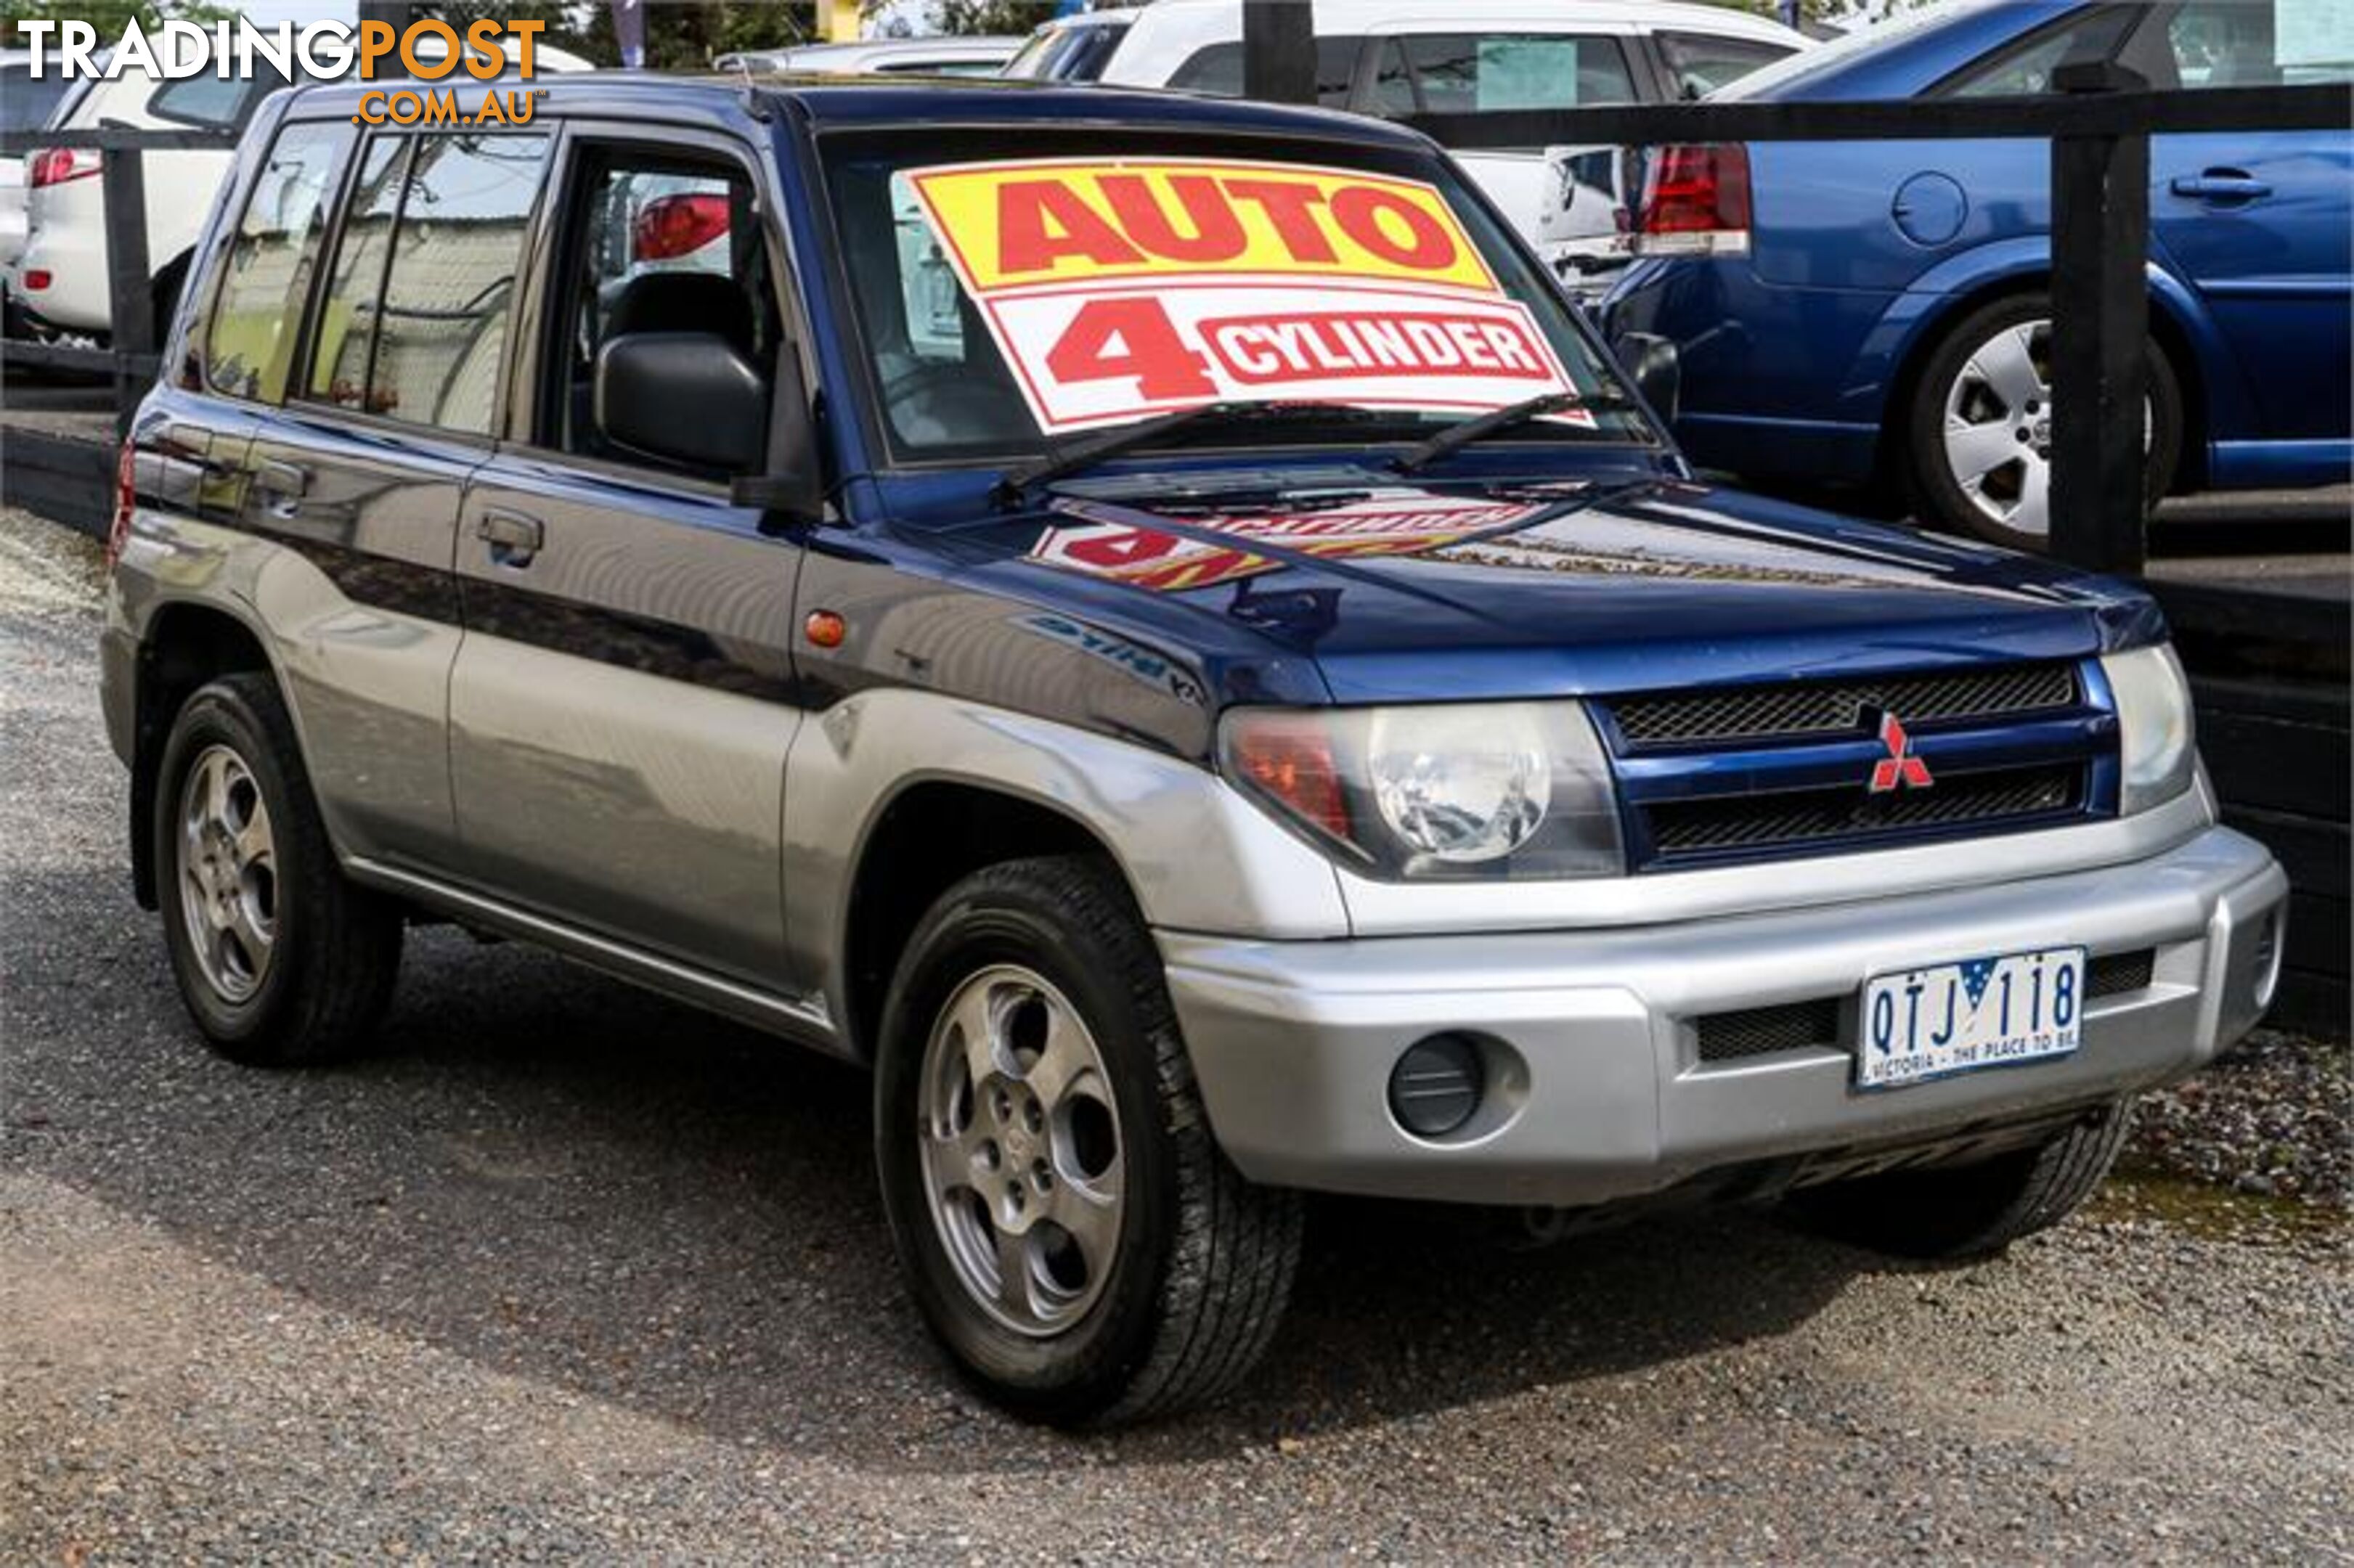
<point>118,532</point>
<point>36,279</point>
<point>679,225</point>
<point>56,165</point>
<point>1695,202</point>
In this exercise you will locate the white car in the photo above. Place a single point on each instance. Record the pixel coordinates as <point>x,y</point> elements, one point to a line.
<point>60,280</point>
<point>1397,57</point>
<point>888,57</point>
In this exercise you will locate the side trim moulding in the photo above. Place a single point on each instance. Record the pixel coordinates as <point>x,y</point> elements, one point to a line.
<point>803,1019</point>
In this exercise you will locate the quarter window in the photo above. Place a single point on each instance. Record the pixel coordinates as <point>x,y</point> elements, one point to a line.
<point>1442,73</point>
<point>249,342</point>
<point>1218,69</point>
<point>436,333</point>
<point>2026,69</point>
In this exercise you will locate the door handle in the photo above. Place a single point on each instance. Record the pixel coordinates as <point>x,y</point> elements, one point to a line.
<point>513,537</point>
<point>285,479</point>
<point>2220,185</point>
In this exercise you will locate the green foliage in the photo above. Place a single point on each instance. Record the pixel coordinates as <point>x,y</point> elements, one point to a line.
<point>999,17</point>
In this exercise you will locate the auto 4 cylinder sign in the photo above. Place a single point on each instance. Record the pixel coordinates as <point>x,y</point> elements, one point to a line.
<point>1119,288</point>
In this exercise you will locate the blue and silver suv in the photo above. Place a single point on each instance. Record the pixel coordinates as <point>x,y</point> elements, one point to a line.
<point>1174,646</point>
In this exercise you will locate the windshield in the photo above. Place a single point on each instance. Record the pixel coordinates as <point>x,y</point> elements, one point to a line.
<point>1013,298</point>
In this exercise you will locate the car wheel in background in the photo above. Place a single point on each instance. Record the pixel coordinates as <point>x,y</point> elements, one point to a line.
<point>1070,1230</point>
<point>1978,432</point>
<point>282,961</point>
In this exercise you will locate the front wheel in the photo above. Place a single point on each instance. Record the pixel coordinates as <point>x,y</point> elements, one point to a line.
<point>1070,1230</point>
<point>1979,430</point>
<point>1949,1213</point>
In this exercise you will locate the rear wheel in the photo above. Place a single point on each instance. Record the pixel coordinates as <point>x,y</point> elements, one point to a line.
<point>1969,1211</point>
<point>1071,1232</point>
<point>280,961</point>
<point>1978,432</point>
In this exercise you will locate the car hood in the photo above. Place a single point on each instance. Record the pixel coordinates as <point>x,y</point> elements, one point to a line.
<point>1413,591</point>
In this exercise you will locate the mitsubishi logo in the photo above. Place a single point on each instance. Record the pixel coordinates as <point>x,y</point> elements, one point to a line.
<point>1899,769</point>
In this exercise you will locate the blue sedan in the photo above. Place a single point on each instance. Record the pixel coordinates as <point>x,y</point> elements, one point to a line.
<point>1878,312</point>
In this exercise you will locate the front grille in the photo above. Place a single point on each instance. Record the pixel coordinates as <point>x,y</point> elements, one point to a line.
<point>1762,1030</point>
<point>1813,710</point>
<point>2114,974</point>
<point>1846,814</point>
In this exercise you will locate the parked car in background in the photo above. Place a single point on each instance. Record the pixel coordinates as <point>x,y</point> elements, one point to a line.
<point>890,57</point>
<point>1878,312</point>
<point>1072,48</point>
<point>60,281</point>
<point>1396,58</point>
<point>27,103</point>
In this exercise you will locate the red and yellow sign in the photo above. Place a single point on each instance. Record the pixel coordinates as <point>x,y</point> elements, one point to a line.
<point>1117,289</point>
<point>1007,225</point>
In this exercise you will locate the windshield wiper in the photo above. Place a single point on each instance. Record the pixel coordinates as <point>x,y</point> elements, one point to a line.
<point>1085,454</point>
<point>1455,438</point>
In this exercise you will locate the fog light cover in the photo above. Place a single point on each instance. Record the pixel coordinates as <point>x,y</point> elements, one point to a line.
<point>1435,1087</point>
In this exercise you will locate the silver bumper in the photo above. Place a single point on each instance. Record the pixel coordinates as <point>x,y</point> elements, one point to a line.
<point>1598,1091</point>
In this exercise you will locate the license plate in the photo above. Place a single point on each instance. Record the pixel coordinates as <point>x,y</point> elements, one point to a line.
<point>1943,1019</point>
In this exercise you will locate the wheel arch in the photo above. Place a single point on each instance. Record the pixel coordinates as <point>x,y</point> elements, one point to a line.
<point>927,836</point>
<point>2176,324</point>
<point>183,644</point>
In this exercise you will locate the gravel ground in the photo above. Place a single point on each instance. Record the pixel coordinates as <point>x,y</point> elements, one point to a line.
<point>567,1272</point>
<point>2271,1118</point>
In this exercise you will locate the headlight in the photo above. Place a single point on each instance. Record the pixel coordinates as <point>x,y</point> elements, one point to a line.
<point>2154,736</point>
<point>1482,789</point>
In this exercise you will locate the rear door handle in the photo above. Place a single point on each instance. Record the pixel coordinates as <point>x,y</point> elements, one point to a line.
<point>513,537</point>
<point>282,478</point>
<point>2220,185</point>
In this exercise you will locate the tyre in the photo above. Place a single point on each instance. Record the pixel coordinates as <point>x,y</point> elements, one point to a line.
<point>1977,435</point>
<point>280,960</point>
<point>1969,1211</point>
<point>1070,1230</point>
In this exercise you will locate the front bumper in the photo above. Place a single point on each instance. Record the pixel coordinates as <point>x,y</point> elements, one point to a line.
<point>1597,1090</point>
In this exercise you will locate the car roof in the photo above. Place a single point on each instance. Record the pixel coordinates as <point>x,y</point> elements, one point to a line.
<point>1899,55</point>
<point>1488,16</point>
<point>832,101</point>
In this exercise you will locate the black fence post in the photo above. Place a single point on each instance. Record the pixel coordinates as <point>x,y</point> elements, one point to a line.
<point>2100,324</point>
<point>123,179</point>
<point>1279,51</point>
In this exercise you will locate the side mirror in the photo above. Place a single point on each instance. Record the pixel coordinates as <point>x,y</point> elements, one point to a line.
<point>1654,366</point>
<point>686,397</point>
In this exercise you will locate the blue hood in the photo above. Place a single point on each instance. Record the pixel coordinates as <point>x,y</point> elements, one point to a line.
<point>1425,591</point>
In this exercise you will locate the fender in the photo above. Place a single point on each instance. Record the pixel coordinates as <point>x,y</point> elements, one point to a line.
<point>1916,315</point>
<point>1197,855</point>
<point>367,689</point>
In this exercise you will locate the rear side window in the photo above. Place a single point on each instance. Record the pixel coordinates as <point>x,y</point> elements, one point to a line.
<point>249,342</point>
<point>427,346</point>
<point>1219,70</point>
<point>1699,63</point>
<point>2285,43</point>
<point>2027,68</point>
<point>26,102</point>
<point>210,101</point>
<point>1444,73</point>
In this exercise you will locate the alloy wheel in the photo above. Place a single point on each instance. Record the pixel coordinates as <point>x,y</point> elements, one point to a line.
<point>1022,1158</point>
<point>229,873</point>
